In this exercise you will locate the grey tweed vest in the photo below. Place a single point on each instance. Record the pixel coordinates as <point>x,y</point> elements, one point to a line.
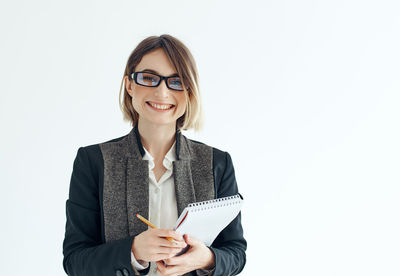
<point>126,181</point>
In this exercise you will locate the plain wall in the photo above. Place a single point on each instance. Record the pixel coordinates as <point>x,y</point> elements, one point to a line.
<point>304,95</point>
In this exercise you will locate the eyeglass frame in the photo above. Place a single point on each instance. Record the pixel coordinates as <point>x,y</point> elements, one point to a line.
<point>135,74</point>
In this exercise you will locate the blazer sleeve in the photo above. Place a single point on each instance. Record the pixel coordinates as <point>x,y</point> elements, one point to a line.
<point>85,252</point>
<point>230,246</point>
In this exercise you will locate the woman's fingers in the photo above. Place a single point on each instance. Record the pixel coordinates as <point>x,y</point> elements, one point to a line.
<point>174,244</point>
<point>164,270</point>
<point>160,257</point>
<point>152,244</point>
<point>169,251</point>
<point>178,240</point>
<point>169,233</point>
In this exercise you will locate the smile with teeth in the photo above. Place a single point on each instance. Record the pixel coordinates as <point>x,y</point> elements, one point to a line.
<point>161,106</point>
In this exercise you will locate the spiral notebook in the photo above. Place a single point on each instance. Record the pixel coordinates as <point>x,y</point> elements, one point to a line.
<point>206,219</point>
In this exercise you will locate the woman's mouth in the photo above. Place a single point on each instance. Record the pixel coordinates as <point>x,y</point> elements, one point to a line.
<point>160,107</point>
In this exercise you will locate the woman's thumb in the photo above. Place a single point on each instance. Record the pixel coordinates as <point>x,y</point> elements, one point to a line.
<point>190,240</point>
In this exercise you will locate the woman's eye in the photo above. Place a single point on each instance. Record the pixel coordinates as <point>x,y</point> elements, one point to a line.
<point>148,78</point>
<point>175,82</point>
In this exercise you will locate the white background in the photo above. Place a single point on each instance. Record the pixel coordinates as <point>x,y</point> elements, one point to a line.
<point>304,95</point>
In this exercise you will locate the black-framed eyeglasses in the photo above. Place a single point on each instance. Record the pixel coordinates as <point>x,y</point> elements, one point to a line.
<point>153,80</point>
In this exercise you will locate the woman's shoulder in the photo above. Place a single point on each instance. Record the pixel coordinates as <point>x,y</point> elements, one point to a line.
<point>94,150</point>
<point>204,145</point>
<point>220,157</point>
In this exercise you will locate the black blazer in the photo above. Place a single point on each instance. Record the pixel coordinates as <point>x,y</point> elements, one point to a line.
<point>86,248</point>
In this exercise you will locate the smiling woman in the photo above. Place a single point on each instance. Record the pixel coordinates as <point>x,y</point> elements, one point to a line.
<point>173,59</point>
<point>154,171</point>
<point>152,98</point>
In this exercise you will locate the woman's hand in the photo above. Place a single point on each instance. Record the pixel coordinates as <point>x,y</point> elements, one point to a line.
<point>151,245</point>
<point>198,256</point>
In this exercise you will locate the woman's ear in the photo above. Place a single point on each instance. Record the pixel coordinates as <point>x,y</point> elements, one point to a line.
<point>128,86</point>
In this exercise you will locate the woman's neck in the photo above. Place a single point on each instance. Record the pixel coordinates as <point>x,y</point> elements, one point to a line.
<point>157,139</point>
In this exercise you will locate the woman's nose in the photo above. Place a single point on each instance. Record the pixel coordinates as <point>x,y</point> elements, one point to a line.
<point>162,90</point>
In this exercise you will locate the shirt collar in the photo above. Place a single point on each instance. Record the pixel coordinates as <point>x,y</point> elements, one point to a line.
<point>168,159</point>
<point>181,147</point>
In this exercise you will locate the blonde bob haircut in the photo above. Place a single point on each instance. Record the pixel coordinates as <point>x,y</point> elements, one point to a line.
<point>185,66</point>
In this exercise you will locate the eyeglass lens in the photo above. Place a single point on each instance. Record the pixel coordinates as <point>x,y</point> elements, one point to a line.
<point>152,80</point>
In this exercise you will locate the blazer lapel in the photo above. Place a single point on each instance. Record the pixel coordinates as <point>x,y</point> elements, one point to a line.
<point>137,184</point>
<point>184,187</point>
<point>137,194</point>
<point>125,187</point>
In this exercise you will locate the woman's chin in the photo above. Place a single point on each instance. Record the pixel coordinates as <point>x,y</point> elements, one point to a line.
<point>160,122</point>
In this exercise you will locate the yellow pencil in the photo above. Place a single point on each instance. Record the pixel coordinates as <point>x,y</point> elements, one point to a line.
<point>153,226</point>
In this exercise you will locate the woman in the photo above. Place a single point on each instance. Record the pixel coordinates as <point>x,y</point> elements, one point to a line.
<point>153,171</point>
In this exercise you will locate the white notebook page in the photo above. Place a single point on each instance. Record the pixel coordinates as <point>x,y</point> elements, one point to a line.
<point>205,220</point>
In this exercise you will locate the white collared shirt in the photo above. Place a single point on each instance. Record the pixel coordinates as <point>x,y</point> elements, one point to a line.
<point>163,211</point>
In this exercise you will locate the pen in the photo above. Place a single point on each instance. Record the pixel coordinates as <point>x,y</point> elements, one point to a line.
<point>153,226</point>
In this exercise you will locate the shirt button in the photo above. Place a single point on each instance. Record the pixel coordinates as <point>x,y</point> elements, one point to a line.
<point>126,272</point>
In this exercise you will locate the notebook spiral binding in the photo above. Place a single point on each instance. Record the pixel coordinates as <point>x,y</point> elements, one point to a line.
<point>214,203</point>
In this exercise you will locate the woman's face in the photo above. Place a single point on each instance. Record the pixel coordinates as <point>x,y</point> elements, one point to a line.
<point>156,105</point>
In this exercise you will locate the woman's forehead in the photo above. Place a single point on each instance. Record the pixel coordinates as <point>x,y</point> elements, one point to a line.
<point>158,62</point>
